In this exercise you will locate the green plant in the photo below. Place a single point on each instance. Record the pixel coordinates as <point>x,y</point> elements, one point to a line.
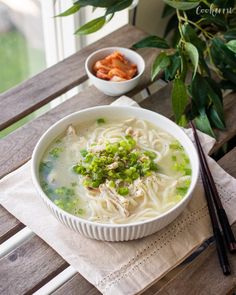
<point>203,45</point>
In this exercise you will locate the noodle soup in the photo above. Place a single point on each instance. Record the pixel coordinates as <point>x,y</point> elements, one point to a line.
<point>113,171</point>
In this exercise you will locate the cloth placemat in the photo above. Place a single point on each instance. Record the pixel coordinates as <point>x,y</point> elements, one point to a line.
<point>121,267</point>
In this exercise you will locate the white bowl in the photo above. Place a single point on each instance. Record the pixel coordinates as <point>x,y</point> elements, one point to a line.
<point>114,232</point>
<point>109,87</point>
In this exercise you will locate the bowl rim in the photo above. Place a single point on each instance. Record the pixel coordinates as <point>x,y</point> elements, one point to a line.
<point>50,203</point>
<point>115,48</point>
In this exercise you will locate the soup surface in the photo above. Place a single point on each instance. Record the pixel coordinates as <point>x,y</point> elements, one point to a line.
<point>112,171</point>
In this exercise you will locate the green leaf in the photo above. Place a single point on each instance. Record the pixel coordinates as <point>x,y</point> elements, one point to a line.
<point>232,45</point>
<point>204,92</point>
<point>223,53</point>
<point>183,121</point>
<point>172,24</point>
<point>218,20</point>
<point>160,63</point>
<point>215,120</point>
<point>203,124</point>
<point>204,65</point>
<point>216,87</point>
<point>179,98</point>
<point>230,34</point>
<point>224,3</point>
<point>199,92</point>
<point>152,41</point>
<point>175,38</point>
<point>191,36</point>
<point>167,10</point>
<point>193,55</point>
<point>97,3</point>
<point>230,75</point>
<point>215,98</point>
<point>73,9</point>
<point>118,6</point>
<point>182,5</point>
<point>92,26</point>
<point>173,67</point>
<point>184,65</point>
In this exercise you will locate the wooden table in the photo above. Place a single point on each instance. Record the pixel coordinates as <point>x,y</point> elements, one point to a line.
<point>30,264</point>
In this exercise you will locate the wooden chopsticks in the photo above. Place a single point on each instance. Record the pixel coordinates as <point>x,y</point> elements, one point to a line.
<point>214,202</point>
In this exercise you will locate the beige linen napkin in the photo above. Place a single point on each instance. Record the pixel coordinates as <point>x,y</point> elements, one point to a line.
<point>124,267</point>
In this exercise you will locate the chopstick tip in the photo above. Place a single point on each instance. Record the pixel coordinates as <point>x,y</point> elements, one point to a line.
<point>226,270</point>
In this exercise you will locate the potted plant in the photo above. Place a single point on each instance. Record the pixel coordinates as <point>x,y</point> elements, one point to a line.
<point>203,46</point>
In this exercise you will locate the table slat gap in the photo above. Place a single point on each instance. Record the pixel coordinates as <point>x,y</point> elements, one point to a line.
<point>9,225</point>
<point>11,231</point>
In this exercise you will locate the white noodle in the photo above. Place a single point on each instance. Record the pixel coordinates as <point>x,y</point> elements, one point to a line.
<point>148,196</point>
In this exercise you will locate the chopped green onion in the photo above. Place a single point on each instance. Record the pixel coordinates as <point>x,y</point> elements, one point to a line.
<point>111,184</point>
<point>79,169</point>
<point>187,182</point>
<point>68,205</point>
<point>176,146</point>
<point>64,191</point>
<point>186,159</point>
<point>95,183</point>
<point>182,190</point>
<point>83,153</point>
<point>119,160</point>
<point>188,171</point>
<point>150,154</point>
<point>55,152</point>
<point>101,121</point>
<point>153,166</point>
<point>178,198</point>
<point>80,211</point>
<point>174,158</point>
<point>123,191</point>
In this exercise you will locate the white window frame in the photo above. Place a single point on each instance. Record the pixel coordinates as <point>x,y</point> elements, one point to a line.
<point>60,42</point>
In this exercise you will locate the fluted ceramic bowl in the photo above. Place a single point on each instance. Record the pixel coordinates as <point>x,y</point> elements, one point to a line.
<point>109,87</point>
<point>114,232</point>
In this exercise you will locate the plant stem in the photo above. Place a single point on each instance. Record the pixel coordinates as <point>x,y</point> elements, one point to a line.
<point>179,25</point>
<point>210,36</point>
<point>216,70</point>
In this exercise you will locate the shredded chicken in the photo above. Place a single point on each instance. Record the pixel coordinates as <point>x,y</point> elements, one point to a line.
<point>97,148</point>
<point>93,190</point>
<point>112,166</point>
<point>119,201</point>
<point>129,131</point>
<point>71,131</point>
<point>144,158</point>
<point>139,193</point>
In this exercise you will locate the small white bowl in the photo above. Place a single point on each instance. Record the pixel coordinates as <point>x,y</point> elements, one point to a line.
<point>109,87</point>
<point>114,232</point>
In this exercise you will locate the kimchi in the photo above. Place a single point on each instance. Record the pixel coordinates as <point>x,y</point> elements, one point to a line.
<point>115,67</point>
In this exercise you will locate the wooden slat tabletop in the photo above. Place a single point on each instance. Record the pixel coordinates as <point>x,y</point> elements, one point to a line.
<point>32,264</point>
<point>42,88</point>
